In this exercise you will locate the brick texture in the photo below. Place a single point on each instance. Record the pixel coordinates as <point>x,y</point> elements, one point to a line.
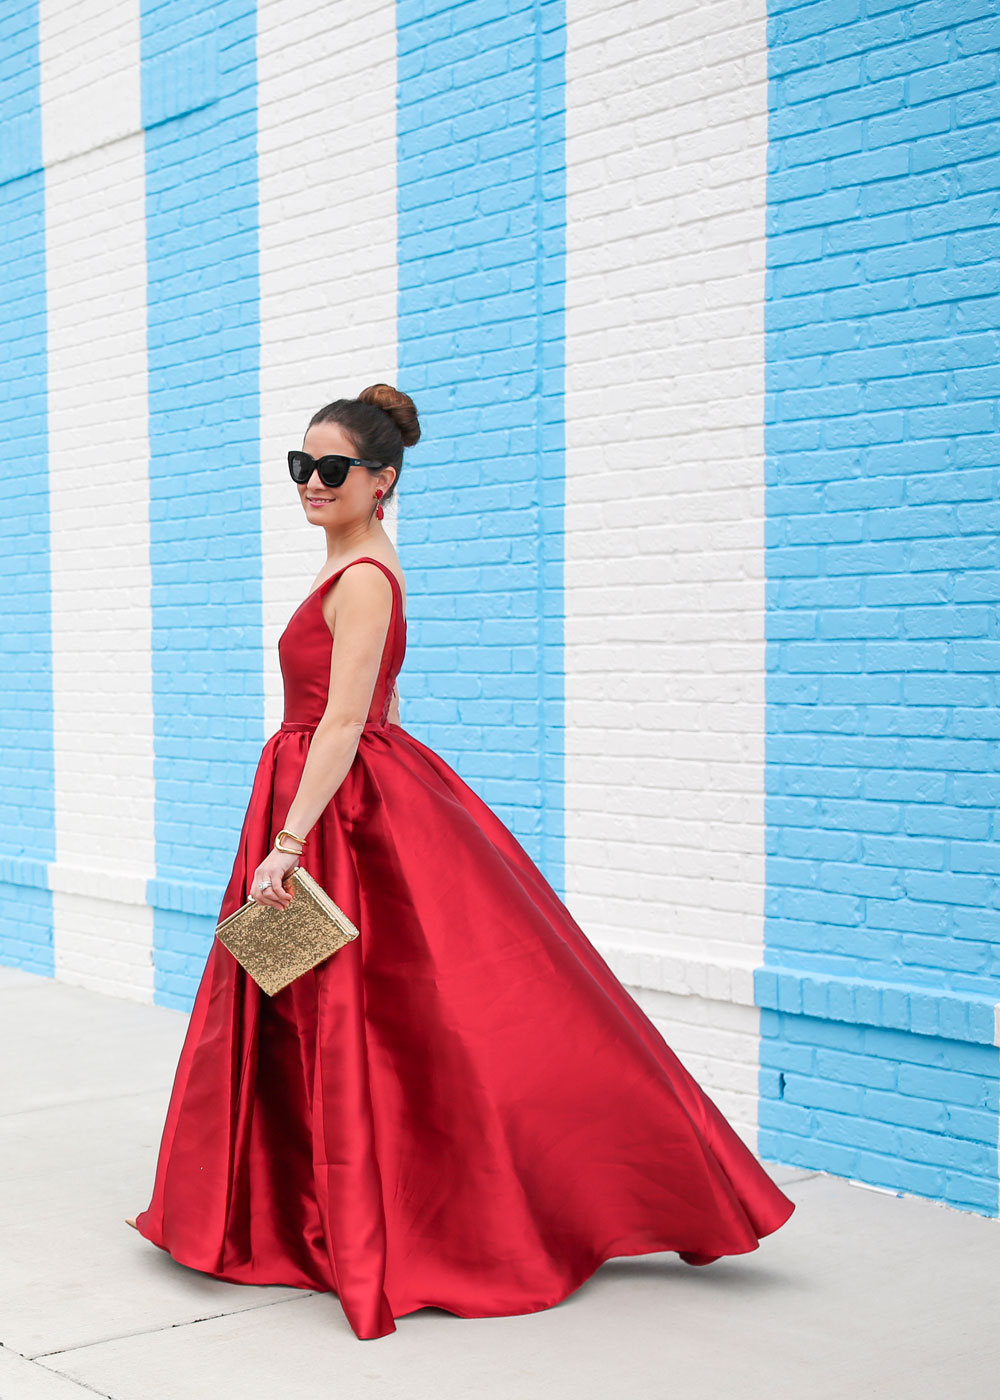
<point>883,775</point>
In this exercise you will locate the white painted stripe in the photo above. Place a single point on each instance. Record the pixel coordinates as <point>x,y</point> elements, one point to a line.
<point>99,499</point>
<point>328,279</point>
<point>665,657</point>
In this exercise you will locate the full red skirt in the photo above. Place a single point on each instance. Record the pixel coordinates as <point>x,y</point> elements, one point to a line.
<point>463,1107</point>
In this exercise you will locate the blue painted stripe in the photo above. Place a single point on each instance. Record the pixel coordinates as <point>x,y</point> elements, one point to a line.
<point>481,229</point>
<point>199,96</point>
<point>882,931</point>
<point>27,778</point>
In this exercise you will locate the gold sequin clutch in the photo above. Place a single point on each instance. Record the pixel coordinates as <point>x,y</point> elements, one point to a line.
<point>277,945</point>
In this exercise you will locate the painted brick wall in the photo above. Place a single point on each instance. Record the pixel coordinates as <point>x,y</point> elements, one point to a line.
<point>883,316</point>
<point>777,770</point>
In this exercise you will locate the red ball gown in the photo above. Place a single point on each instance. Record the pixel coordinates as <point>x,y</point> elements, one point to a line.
<point>462,1108</point>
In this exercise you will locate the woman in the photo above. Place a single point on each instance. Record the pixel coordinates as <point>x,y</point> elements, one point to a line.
<point>462,1107</point>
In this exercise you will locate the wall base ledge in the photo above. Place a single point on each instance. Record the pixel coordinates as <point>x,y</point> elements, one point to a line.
<point>922,1010</point>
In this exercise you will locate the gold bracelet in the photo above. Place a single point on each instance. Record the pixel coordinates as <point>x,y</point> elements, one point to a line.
<point>288,850</point>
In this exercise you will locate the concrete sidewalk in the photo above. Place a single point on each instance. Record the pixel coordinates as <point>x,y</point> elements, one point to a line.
<point>861,1294</point>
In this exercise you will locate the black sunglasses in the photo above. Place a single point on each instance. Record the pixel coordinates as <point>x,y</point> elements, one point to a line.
<point>332,469</point>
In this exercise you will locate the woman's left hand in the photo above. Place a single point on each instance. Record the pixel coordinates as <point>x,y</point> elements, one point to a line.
<point>274,867</point>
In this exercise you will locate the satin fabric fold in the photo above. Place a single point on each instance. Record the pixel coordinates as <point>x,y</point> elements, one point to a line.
<point>463,1107</point>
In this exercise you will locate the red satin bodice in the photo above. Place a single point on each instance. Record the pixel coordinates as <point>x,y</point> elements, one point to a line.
<point>305,646</point>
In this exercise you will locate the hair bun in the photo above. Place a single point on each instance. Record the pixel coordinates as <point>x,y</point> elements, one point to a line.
<point>399,406</point>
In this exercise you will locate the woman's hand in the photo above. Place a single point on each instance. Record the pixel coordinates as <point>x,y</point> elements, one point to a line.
<point>274,867</point>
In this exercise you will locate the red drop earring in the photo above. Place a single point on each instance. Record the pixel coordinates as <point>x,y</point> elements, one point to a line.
<point>378,508</point>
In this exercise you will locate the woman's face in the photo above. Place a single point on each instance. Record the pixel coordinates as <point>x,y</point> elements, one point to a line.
<point>353,501</point>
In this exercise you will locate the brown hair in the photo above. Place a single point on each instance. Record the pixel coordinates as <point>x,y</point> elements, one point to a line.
<point>381,421</point>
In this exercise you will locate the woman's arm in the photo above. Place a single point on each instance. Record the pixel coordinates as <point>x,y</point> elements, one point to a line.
<point>393,715</point>
<point>363,611</point>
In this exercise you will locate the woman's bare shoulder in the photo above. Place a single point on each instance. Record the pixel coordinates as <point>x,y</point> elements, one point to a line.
<point>364,580</point>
